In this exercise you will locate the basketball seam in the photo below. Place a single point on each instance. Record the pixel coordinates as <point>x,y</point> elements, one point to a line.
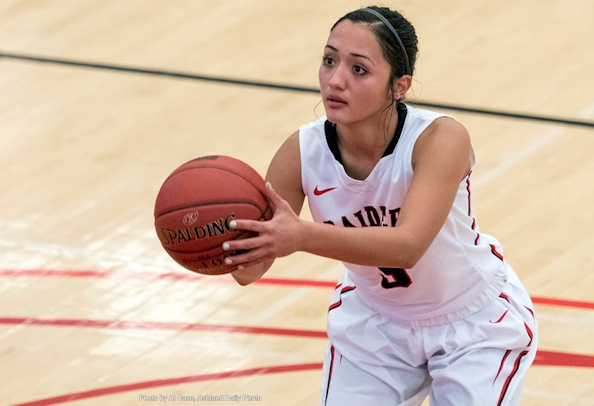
<point>268,207</point>
<point>201,204</point>
<point>220,169</point>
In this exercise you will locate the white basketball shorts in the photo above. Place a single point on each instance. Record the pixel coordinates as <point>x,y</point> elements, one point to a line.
<point>480,360</point>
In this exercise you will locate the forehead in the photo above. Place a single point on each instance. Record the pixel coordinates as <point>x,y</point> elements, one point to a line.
<point>356,38</point>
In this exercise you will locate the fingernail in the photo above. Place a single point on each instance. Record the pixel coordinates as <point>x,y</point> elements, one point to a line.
<point>269,185</point>
<point>228,261</point>
<point>240,267</point>
<point>233,224</point>
<point>226,246</point>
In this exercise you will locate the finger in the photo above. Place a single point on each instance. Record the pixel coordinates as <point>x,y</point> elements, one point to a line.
<point>242,244</point>
<point>249,257</point>
<point>249,225</point>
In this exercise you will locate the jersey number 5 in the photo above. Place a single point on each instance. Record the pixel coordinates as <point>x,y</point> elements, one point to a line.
<point>395,278</point>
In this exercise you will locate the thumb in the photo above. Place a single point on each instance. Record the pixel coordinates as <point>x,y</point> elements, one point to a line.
<point>276,200</point>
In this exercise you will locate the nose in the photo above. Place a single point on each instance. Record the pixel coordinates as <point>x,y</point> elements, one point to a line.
<point>337,79</point>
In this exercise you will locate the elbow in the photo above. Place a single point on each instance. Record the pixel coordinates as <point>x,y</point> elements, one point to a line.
<point>244,283</point>
<point>411,256</point>
<point>250,275</point>
<point>244,280</point>
<point>408,262</point>
<point>241,282</point>
<point>403,261</point>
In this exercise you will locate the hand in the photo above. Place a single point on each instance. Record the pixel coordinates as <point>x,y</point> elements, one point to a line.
<point>277,237</point>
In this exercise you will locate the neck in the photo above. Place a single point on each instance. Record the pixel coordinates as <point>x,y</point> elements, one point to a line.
<point>368,139</point>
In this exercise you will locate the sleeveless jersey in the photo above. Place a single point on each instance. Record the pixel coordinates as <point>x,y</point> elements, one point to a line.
<point>462,270</point>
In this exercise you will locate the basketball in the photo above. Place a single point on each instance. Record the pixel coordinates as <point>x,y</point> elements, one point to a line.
<point>197,202</point>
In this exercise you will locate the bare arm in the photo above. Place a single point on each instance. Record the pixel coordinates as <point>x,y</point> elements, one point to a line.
<point>284,173</point>
<point>440,162</point>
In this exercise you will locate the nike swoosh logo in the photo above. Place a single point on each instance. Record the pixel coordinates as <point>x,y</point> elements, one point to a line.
<point>318,192</point>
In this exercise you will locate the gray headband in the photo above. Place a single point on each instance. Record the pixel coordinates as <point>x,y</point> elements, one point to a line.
<point>389,26</point>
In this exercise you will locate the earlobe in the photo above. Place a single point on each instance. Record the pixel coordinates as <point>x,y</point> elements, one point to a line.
<point>401,86</point>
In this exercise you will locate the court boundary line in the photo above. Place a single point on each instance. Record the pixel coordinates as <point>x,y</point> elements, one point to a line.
<point>284,87</point>
<point>547,358</point>
<point>153,326</point>
<point>189,277</point>
<point>112,390</point>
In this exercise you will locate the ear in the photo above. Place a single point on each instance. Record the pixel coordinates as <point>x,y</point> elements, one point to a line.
<point>401,86</point>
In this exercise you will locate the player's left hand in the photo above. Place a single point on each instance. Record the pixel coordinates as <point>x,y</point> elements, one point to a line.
<point>278,237</point>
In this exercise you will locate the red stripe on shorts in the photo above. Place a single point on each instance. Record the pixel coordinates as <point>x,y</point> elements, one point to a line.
<point>473,226</point>
<point>510,377</point>
<point>329,373</point>
<point>339,302</point>
<point>494,251</point>
<point>501,365</point>
<point>516,363</point>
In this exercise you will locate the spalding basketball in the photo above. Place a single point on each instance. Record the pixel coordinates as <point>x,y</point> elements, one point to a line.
<point>195,205</point>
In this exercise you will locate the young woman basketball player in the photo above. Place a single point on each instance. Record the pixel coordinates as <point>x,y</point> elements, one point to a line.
<point>428,304</point>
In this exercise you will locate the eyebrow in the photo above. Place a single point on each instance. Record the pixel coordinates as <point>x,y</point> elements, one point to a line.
<point>352,54</point>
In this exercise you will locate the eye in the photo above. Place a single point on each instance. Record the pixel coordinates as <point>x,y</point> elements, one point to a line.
<point>327,60</point>
<point>359,70</point>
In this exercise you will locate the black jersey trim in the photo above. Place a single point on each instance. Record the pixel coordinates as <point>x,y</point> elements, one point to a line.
<point>332,134</point>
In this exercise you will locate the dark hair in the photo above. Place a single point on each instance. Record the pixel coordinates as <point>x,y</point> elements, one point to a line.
<point>390,47</point>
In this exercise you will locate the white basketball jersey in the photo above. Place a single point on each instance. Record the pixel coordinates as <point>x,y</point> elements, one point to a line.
<point>461,271</point>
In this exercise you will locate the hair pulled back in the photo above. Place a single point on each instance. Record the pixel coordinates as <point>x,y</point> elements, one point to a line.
<point>389,45</point>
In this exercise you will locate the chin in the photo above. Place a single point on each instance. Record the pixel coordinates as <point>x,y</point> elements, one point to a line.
<point>336,117</point>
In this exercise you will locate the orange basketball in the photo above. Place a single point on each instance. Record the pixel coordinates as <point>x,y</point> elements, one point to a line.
<point>195,205</point>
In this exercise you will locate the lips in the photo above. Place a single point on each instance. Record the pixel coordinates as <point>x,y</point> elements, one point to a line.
<point>335,102</point>
<point>333,98</point>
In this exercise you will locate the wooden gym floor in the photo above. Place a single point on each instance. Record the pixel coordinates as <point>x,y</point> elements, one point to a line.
<point>92,310</point>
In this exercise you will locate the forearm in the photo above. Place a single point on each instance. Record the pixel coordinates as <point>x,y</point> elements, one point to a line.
<point>371,246</point>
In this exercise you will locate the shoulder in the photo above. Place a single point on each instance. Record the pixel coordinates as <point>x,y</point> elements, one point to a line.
<point>291,144</point>
<point>446,126</point>
<point>289,152</point>
<point>421,124</point>
<point>444,137</point>
<point>444,132</point>
<point>422,117</point>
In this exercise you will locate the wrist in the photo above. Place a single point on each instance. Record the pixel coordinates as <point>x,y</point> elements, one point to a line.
<point>306,236</point>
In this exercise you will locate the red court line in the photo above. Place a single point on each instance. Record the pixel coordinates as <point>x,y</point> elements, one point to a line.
<point>297,282</point>
<point>188,276</point>
<point>542,358</point>
<point>41,273</point>
<point>562,302</point>
<point>550,358</point>
<point>562,359</point>
<point>128,325</point>
<point>172,381</point>
<point>174,276</point>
